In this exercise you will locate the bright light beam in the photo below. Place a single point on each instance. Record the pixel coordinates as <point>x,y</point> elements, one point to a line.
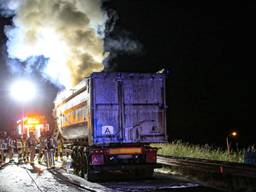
<point>234,133</point>
<point>23,90</point>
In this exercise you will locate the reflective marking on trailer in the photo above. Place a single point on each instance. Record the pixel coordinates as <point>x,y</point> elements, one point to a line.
<point>130,150</point>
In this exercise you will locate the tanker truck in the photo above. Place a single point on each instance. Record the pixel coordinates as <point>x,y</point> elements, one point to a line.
<point>110,119</point>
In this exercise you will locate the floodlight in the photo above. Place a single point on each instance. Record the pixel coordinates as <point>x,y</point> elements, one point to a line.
<point>23,90</point>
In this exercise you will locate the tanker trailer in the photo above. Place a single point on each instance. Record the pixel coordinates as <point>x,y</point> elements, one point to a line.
<point>114,117</point>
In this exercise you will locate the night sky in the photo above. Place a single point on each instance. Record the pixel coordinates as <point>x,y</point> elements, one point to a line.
<point>208,49</point>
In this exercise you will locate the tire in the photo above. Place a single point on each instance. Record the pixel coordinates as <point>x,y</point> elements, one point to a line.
<point>148,173</point>
<point>92,175</point>
<point>144,173</point>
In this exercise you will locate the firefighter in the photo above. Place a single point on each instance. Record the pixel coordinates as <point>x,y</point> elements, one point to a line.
<point>59,151</point>
<point>51,147</point>
<point>5,146</point>
<point>79,158</point>
<point>82,161</point>
<point>42,148</point>
<point>32,142</point>
<point>74,156</point>
<point>10,148</point>
<point>19,149</point>
<point>1,151</point>
<point>25,151</point>
<point>61,147</point>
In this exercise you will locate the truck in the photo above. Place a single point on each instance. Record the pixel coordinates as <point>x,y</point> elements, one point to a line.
<point>32,123</point>
<point>111,119</point>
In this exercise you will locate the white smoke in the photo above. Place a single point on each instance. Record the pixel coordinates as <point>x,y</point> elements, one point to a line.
<point>69,34</point>
<point>123,44</point>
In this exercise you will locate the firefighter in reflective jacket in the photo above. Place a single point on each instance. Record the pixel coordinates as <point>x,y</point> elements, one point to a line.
<point>10,144</point>
<point>50,148</point>
<point>19,149</point>
<point>42,148</point>
<point>75,157</point>
<point>59,151</point>
<point>32,142</point>
<point>2,148</point>
<point>5,146</point>
<point>82,161</point>
<point>25,151</point>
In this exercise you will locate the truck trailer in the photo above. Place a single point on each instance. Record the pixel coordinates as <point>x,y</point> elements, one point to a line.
<point>110,119</point>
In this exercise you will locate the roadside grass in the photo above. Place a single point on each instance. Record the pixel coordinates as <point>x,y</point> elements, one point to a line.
<point>183,149</point>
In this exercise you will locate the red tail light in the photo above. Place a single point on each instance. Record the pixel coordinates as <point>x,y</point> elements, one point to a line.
<point>151,156</point>
<point>97,159</point>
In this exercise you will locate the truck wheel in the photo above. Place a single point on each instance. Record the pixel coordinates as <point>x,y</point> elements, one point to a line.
<point>85,165</point>
<point>148,173</point>
<point>144,174</point>
<point>91,175</point>
<point>90,172</point>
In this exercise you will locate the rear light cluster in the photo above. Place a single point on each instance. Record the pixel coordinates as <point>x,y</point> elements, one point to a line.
<point>151,155</point>
<point>97,157</point>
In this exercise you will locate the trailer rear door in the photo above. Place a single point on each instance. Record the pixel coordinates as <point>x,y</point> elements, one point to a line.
<point>128,108</point>
<point>144,108</point>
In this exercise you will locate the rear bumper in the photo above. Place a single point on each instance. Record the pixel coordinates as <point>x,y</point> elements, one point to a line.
<point>125,167</point>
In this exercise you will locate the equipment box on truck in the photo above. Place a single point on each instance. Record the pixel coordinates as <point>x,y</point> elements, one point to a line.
<point>111,118</point>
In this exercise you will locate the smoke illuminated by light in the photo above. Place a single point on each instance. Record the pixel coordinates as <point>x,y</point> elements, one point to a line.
<point>68,34</point>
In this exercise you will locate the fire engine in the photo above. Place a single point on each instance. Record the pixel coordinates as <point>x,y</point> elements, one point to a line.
<point>36,124</point>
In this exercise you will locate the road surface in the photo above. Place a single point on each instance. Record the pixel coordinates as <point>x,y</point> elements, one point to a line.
<point>37,178</point>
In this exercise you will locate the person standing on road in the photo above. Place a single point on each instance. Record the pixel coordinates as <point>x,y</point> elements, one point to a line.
<point>74,156</point>
<point>32,142</point>
<point>10,148</point>
<point>82,161</point>
<point>19,149</point>
<point>1,151</point>
<point>59,151</point>
<point>12,144</point>
<point>42,148</point>
<point>5,146</point>
<point>24,148</point>
<point>51,147</point>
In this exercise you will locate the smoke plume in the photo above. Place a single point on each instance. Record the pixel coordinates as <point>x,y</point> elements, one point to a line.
<point>68,34</point>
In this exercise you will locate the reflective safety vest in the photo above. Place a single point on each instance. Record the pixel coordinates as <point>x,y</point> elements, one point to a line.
<point>19,144</point>
<point>31,142</point>
<point>24,146</point>
<point>3,146</point>
<point>51,143</point>
<point>42,144</point>
<point>60,149</point>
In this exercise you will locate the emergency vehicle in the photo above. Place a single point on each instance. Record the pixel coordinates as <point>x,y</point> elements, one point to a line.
<point>35,123</point>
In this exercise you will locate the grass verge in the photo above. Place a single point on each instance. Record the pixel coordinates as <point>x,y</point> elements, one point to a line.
<point>183,149</point>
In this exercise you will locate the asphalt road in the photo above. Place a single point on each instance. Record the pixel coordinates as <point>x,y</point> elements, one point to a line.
<point>27,178</point>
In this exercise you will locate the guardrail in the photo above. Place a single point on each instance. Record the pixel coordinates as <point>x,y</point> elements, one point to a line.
<point>222,167</point>
<point>222,175</point>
